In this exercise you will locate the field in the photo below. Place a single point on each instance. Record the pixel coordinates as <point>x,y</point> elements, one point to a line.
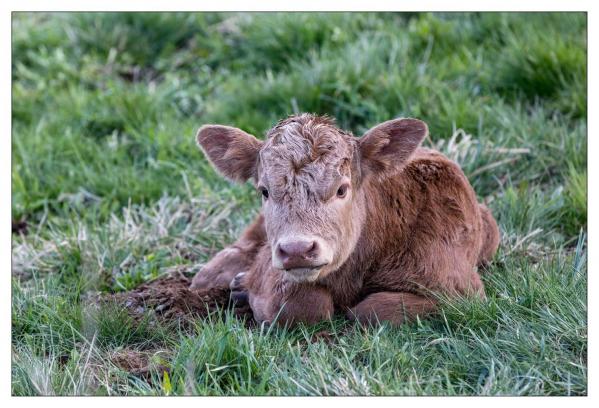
<point>109,191</point>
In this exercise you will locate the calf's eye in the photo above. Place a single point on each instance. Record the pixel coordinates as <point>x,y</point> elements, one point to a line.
<point>342,191</point>
<point>264,192</point>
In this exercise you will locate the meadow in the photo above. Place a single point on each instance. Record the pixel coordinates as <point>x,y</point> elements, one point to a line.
<point>109,191</point>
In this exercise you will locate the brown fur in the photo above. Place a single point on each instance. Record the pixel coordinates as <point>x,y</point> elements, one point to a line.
<point>410,226</point>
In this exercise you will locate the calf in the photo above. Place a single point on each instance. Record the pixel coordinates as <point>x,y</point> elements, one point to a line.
<point>373,227</point>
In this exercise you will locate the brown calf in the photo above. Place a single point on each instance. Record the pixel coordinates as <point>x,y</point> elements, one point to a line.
<point>372,226</point>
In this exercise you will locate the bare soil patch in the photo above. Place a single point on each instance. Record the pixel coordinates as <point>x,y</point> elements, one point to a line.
<point>170,299</point>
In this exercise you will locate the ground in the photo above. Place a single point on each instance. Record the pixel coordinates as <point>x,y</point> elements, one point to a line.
<point>110,192</point>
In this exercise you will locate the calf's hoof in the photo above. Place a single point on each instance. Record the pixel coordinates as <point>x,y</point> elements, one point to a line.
<point>239,294</point>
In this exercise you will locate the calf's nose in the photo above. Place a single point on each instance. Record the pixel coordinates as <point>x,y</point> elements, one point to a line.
<point>297,254</point>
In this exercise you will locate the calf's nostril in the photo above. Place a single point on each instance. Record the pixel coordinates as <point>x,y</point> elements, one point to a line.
<point>313,249</point>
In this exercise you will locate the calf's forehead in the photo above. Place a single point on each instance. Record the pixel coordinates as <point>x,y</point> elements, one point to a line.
<point>305,144</point>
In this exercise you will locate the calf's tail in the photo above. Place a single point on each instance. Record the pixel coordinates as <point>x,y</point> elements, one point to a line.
<point>490,233</point>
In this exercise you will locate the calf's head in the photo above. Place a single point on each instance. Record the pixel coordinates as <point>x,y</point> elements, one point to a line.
<point>310,175</point>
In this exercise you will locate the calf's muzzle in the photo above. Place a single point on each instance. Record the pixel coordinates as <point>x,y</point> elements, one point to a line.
<point>298,254</point>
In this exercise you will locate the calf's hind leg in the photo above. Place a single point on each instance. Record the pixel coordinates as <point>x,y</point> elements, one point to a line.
<point>392,307</point>
<point>238,257</point>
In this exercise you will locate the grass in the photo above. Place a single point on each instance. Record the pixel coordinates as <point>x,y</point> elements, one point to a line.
<point>112,192</point>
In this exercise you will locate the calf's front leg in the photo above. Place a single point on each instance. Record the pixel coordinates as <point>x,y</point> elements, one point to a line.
<point>306,303</point>
<point>392,307</point>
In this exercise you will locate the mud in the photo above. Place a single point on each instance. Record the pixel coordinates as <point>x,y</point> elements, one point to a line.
<point>170,299</point>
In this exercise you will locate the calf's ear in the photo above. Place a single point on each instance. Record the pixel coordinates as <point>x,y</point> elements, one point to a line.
<point>389,144</point>
<point>231,151</point>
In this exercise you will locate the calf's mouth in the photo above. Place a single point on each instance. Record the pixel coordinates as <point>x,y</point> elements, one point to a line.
<point>303,274</point>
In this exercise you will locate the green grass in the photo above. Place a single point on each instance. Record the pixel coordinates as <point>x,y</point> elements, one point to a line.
<point>114,192</point>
